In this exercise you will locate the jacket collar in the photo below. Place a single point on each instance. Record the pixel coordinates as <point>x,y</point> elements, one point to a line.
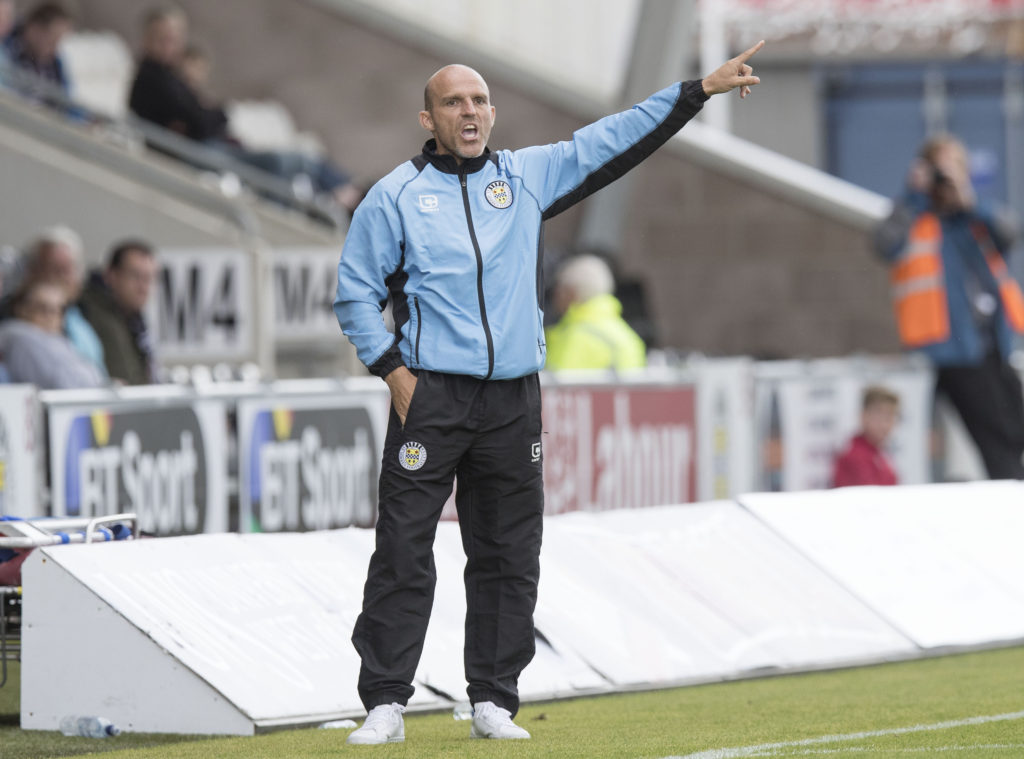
<point>597,308</point>
<point>445,162</point>
<point>860,440</point>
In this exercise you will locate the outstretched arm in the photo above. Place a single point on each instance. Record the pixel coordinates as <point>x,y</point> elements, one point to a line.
<point>735,72</point>
<point>562,174</point>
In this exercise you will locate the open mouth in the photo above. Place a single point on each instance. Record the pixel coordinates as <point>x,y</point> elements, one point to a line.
<point>469,132</point>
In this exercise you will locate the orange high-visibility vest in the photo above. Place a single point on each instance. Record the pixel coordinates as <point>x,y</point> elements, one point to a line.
<point>919,285</point>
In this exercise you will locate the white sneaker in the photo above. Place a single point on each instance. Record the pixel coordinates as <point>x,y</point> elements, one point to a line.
<point>491,721</point>
<point>383,724</point>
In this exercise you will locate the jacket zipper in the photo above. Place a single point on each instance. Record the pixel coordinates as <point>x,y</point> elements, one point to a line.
<point>479,276</point>
<point>419,326</point>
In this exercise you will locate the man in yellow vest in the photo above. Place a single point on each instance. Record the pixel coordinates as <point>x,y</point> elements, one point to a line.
<point>956,301</point>
<point>591,333</point>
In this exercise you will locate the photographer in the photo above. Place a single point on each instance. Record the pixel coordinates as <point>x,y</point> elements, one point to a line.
<point>956,301</point>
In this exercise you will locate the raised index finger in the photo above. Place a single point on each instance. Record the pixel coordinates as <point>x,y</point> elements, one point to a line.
<point>746,54</point>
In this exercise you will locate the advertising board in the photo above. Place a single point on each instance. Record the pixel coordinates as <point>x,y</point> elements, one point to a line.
<point>203,305</point>
<point>166,461</point>
<point>618,447</point>
<point>20,444</point>
<point>304,283</point>
<point>309,462</point>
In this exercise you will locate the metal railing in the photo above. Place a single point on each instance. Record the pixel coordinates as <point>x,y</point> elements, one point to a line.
<point>25,535</point>
<point>134,135</point>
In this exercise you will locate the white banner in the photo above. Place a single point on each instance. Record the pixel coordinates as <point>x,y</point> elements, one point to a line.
<point>21,442</point>
<point>725,433</point>
<point>305,282</point>
<point>166,461</point>
<point>204,305</point>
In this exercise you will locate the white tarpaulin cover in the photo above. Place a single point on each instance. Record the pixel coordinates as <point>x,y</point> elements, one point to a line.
<point>263,620</point>
<point>230,633</point>
<point>695,592</point>
<point>942,563</point>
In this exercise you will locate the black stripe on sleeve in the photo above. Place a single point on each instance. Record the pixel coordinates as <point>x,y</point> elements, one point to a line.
<point>391,359</point>
<point>691,100</point>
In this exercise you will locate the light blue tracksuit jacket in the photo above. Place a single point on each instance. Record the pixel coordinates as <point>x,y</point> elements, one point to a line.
<point>457,247</point>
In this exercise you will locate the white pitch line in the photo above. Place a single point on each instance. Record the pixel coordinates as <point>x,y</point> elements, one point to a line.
<point>928,750</point>
<point>732,753</point>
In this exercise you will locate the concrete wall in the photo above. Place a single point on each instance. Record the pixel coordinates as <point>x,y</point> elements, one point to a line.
<point>785,116</point>
<point>734,271</point>
<point>42,184</point>
<point>729,268</point>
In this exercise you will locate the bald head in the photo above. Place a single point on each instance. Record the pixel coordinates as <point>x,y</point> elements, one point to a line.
<point>457,110</point>
<point>441,76</point>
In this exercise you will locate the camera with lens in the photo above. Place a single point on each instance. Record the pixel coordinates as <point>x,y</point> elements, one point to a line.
<point>939,177</point>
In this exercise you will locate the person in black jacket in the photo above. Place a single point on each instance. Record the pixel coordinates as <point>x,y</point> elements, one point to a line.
<point>33,46</point>
<point>162,95</point>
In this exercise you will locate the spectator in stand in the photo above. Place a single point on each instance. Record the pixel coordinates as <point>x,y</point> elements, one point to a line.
<point>33,46</point>
<point>195,69</point>
<point>113,302</point>
<point>591,333</point>
<point>864,461</point>
<point>162,94</point>
<point>33,347</point>
<point>7,17</point>
<point>56,255</point>
<point>956,301</point>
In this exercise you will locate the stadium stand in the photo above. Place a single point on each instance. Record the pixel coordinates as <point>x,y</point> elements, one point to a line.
<point>101,66</point>
<point>97,177</point>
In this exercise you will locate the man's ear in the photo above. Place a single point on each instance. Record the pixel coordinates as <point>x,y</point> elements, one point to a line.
<point>427,121</point>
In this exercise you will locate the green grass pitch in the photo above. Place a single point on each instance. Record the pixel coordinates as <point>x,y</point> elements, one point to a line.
<point>964,705</point>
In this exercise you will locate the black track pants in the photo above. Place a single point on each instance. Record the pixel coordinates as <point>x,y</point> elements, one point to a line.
<point>990,401</point>
<point>488,433</point>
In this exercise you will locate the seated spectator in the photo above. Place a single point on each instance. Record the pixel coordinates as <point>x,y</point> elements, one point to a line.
<point>113,301</point>
<point>56,255</point>
<point>163,95</point>
<point>33,46</point>
<point>195,70</point>
<point>34,349</point>
<point>7,15</point>
<point>863,462</point>
<point>591,333</point>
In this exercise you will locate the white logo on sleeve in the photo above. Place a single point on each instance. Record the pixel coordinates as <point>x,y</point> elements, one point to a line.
<point>412,456</point>
<point>535,452</point>
<point>428,203</point>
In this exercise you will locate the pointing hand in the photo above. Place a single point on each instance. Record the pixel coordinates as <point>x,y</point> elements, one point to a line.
<point>732,74</point>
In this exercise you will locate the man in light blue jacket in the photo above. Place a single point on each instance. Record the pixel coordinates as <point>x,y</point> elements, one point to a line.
<point>452,238</point>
